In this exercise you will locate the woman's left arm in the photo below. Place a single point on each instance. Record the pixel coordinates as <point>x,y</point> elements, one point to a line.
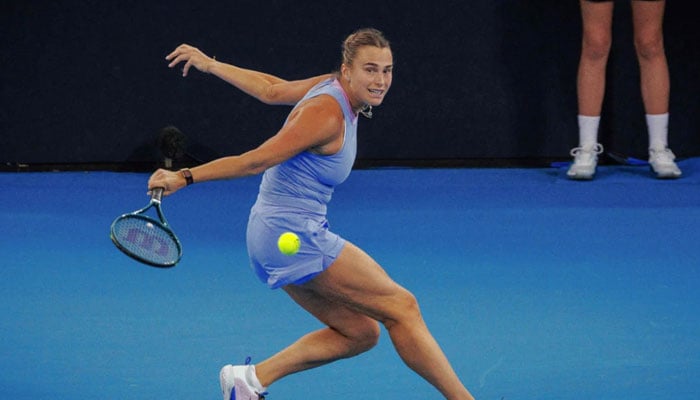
<point>265,87</point>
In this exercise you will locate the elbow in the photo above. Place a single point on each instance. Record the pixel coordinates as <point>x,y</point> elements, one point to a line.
<point>256,167</point>
<point>255,170</point>
<point>255,162</point>
<point>269,96</point>
<point>273,96</point>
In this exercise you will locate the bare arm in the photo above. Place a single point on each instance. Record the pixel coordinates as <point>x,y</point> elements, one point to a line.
<point>316,123</point>
<point>267,88</point>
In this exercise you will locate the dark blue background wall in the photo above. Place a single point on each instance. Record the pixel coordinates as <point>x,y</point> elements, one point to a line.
<point>86,82</point>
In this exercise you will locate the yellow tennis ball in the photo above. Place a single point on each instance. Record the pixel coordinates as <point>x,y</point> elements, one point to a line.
<point>288,243</point>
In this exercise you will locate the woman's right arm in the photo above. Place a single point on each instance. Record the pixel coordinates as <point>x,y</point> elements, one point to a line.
<point>314,123</point>
<point>267,88</point>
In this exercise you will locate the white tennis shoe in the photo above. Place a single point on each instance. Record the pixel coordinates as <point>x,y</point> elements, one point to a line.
<point>585,162</point>
<point>663,164</point>
<point>234,383</point>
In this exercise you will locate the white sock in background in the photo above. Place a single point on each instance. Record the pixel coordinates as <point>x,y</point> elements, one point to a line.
<point>657,125</point>
<point>588,131</point>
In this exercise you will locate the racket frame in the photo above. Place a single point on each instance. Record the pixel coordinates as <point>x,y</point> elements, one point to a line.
<point>156,195</point>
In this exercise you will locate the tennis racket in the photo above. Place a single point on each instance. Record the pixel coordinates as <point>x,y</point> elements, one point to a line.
<point>624,160</point>
<point>146,239</point>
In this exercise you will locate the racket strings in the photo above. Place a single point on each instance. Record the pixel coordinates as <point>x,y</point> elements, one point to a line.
<point>146,240</point>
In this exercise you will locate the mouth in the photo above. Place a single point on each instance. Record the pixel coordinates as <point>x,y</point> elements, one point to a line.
<point>376,93</point>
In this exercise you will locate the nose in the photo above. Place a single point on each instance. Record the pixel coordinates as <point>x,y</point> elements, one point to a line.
<point>380,79</point>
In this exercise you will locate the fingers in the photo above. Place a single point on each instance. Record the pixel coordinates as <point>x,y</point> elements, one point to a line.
<point>156,179</point>
<point>160,178</point>
<point>172,55</point>
<point>182,53</point>
<point>186,68</point>
<point>178,51</point>
<point>170,181</point>
<point>190,55</point>
<point>177,57</point>
<point>175,61</point>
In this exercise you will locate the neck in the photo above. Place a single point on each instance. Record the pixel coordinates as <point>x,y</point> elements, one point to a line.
<point>356,106</point>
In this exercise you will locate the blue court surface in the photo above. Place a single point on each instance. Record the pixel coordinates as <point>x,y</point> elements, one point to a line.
<point>536,287</point>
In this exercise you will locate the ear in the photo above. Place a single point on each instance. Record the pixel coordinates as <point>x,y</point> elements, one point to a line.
<point>345,72</point>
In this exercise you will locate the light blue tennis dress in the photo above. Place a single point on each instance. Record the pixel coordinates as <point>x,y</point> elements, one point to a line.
<point>293,197</point>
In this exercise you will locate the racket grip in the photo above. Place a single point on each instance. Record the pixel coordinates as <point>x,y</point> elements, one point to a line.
<point>156,194</point>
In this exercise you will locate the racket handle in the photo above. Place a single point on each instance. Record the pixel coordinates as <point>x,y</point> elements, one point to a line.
<point>156,194</point>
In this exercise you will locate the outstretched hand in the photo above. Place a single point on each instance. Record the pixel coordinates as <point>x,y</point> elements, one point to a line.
<point>192,56</point>
<point>170,181</point>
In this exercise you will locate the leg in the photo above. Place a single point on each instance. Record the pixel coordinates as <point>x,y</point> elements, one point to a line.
<point>655,83</point>
<point>349,297</point>
<point>595,48</point>
<point>348,333</point>
<point>590,85</point>
<point>649,44</point>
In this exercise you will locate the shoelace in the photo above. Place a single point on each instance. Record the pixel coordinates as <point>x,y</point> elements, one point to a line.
<point>597,149</point>
<point>664,156</point>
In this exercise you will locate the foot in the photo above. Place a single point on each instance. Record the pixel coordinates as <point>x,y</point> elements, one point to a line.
<point>585,162</point>
<point>234,383</point>
<point>663,164</point>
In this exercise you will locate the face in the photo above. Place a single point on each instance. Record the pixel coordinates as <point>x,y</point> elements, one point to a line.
<point>368,79</point>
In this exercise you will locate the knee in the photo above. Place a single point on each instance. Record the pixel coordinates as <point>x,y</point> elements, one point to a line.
<point>365,337</point>
<point>649,48</point>
<point>596,47</point>
<point>405,309</point>
<point>370,336</point>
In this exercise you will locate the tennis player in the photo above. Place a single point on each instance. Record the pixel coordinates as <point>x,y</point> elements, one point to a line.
<point>329,277</point>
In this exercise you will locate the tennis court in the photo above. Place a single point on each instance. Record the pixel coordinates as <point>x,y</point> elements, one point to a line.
<point>536,287</point>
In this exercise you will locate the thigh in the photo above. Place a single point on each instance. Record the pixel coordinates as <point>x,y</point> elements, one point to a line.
<point>647,17</point>
<point>597,17</point>
<point>358,282</point>
<point>334,314</point>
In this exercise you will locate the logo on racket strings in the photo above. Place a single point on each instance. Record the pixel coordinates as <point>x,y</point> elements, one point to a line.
<point>148,241</point>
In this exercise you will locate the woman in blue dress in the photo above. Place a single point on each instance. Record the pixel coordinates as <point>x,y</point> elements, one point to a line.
<point>331,278</point>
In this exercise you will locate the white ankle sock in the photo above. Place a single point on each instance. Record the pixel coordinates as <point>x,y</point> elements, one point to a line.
<point>588,130</point>
<point>657,125</point>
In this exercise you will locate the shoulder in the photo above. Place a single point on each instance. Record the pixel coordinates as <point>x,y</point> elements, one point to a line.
<point>318,120</point>
<point>320,107</point>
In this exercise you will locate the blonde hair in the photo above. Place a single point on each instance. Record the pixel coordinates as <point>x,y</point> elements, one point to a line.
<point>359,38</point>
